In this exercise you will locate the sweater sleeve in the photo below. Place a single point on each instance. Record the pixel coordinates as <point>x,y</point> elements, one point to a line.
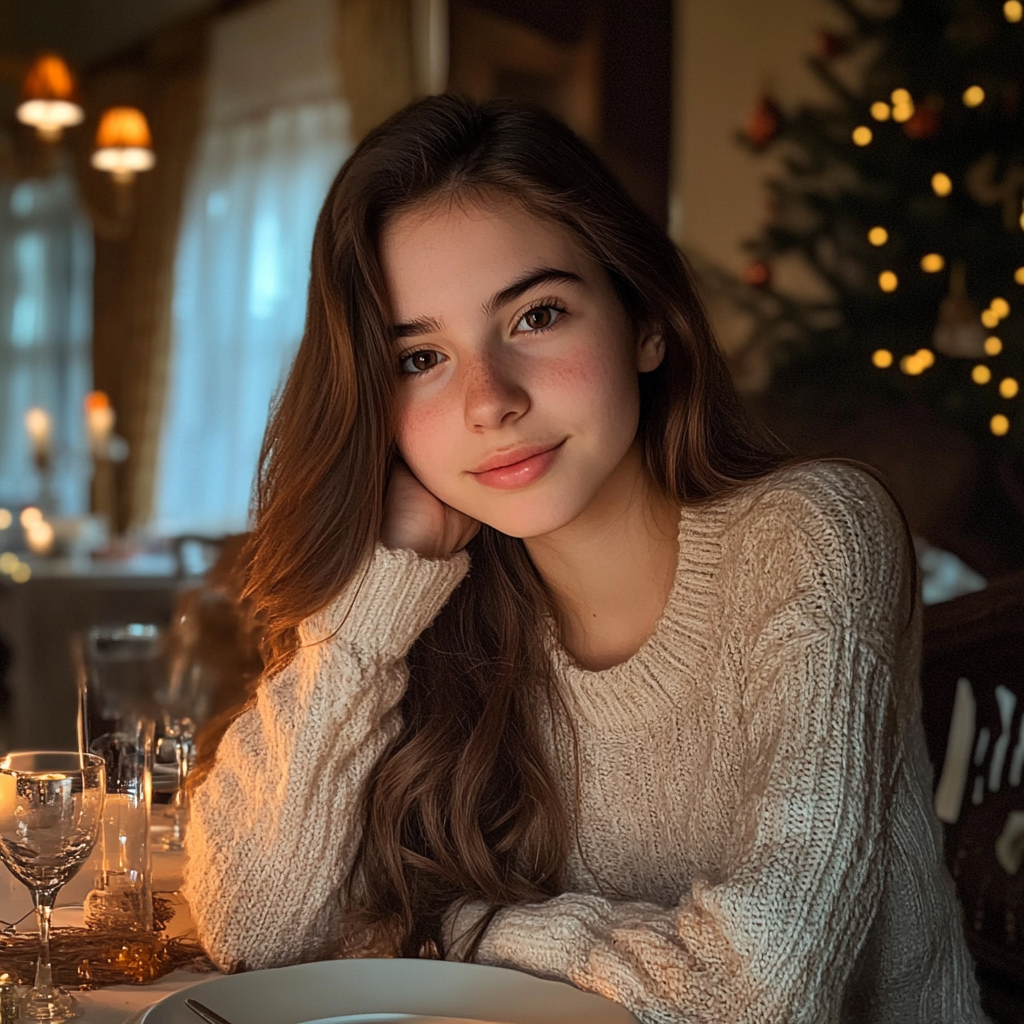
<point>819,584</point>
<point>275,825</point>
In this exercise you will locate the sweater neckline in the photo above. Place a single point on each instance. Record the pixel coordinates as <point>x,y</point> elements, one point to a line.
<point>685,615</point>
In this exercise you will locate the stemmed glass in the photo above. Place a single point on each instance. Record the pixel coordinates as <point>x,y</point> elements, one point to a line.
<point>51,808</point>
<point>184,702</point>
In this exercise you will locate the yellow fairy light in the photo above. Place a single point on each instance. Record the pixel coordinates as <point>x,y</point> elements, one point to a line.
<point>932,263</point>
<point>981,374</point>
<point>1008,388</point>
<point>879,236</point>
<point>880,111</point>
<point>21,573</point>
<point>990,318</point>
<point>999,425</point>
<point>1018,275</point>
<point>993,346</point>
<point>30,516</point>
<point>903,112</point>
<point>900,96</point>
<point>916,364</point>
<point>1000,307</point>
<point>862,135</point>
<point>942,184</point>
<point>882,358</point>
<point>8,560</point>
<point>888,281</point>
<point>1013,10</point>
<point>974,96</point>
<point>5,518</point>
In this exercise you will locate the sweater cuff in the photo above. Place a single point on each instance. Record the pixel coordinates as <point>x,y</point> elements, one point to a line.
<point>391,599</point>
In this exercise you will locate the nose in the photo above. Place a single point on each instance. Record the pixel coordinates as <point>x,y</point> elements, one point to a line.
<point>493,397</point>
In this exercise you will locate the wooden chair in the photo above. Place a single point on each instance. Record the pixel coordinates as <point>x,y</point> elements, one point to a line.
<point>972,681</point>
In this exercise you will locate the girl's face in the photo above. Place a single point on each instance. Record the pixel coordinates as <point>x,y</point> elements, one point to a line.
<point>518,396</point>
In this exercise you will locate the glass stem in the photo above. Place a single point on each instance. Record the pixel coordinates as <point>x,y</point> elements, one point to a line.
<point>44,900</point>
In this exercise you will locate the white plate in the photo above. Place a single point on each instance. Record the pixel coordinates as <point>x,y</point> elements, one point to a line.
<point>333,991</point>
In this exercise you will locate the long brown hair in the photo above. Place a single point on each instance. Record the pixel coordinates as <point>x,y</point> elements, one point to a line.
<point>463,804</point>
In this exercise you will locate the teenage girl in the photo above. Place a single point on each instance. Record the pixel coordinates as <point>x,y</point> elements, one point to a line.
<point>569,670</point>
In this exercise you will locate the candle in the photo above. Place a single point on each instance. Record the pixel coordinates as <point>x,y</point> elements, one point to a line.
<point>99,421</point>
<point>39,537</point>
<point>40,434</point>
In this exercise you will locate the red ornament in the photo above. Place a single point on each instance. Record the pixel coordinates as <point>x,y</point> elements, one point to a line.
<point>758,274</point>
<point>830,45</point>
<point>923,123</point>
<point>763,123</point>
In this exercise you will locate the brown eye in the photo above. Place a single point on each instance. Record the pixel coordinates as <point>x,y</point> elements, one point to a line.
<point>419,362</point>
<point>538,318</point>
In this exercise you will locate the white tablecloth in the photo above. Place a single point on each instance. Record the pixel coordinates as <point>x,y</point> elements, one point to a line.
<point>117,1003</point>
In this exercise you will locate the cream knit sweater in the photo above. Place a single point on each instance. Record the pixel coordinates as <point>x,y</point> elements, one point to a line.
<point>755,818</point>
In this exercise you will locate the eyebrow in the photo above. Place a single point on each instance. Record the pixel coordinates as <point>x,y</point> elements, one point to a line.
<point>532,278</point>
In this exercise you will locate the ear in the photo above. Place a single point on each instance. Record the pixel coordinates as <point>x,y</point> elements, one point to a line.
<point>650,350</point>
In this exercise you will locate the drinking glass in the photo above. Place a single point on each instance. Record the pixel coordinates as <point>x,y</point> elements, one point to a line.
<point>51,807</point>
<point>184,701</point>
<point>119,669</point>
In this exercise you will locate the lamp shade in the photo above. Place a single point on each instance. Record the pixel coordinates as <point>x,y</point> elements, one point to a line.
<point>49,97</point>
<point>124,145</point>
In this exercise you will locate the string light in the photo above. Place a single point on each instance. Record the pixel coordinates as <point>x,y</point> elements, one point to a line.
<point>974,96</point>
<point>5,518</point>
<point>932,263</point>
<point>1008,388</point>
<point>862,135</point>
<point>993,346</point>
<point>1000,307</point>
<point>902,105</point>
<point>942,184</point>
<point>1021,219</point>
<point>1018,275</point>
<point>999,425</point>
<point>1013,10</point>
<point>888,281</point>
<point>880,111</point>
<point>916,364</point>
<point>882,358</point>
<point>981,374</point>
<point>990,318</point>
<point>879,236</point>
<point>21,573</point>
<point>8,560</point>
<point>30,516</point>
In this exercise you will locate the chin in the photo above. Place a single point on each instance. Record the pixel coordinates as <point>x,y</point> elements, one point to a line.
<point>528,515</point>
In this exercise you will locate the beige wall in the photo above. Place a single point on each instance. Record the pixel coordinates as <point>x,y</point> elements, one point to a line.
<point>727,53</point>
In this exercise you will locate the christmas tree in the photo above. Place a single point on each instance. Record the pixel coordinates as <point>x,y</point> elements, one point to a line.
<point>904,198</point>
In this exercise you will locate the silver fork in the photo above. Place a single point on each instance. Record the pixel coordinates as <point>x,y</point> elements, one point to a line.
<point>203,1011</point>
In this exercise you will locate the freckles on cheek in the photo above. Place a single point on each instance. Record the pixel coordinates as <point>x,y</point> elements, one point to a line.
<point>421,433</point>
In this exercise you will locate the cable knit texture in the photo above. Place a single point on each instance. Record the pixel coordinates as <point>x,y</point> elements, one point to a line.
<point>756,836</point>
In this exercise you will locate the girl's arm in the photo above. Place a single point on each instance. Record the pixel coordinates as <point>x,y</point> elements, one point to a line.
<point>276,823</point>
<point>828,712</point>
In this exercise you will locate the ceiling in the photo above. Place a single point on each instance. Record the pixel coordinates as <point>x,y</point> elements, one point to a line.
<point>86,31</point>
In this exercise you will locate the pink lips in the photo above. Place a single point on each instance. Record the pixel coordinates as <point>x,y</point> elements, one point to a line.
<point>518,467</point>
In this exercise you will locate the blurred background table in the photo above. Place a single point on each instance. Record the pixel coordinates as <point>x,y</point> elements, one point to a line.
<point>37,620</point>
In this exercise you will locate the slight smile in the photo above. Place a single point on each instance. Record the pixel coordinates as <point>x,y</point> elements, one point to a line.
<point>518,467</point>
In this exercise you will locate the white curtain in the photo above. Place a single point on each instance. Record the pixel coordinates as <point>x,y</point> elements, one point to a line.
<point>46,258</point>
<point>263,168</point>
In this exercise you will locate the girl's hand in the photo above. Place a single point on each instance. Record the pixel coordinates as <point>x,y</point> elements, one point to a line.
<point>416,519</point>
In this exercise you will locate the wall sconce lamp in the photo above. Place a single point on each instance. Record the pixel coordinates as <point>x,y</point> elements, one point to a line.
<point>49,98</point>
<point>124,145</point>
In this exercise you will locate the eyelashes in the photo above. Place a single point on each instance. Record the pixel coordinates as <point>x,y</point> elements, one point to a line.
<point>537,318</point>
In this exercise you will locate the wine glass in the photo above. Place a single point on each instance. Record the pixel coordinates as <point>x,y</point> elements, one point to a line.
<point>51,807</point>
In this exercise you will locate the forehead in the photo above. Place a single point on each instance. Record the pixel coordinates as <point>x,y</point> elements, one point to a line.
<point>469,249</point>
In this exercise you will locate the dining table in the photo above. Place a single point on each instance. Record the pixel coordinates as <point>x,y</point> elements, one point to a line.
<point>113,1004</point>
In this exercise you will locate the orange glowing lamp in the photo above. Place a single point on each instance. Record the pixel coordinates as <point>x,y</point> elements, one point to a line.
<point>49,98</point>
<point>124,145</point>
